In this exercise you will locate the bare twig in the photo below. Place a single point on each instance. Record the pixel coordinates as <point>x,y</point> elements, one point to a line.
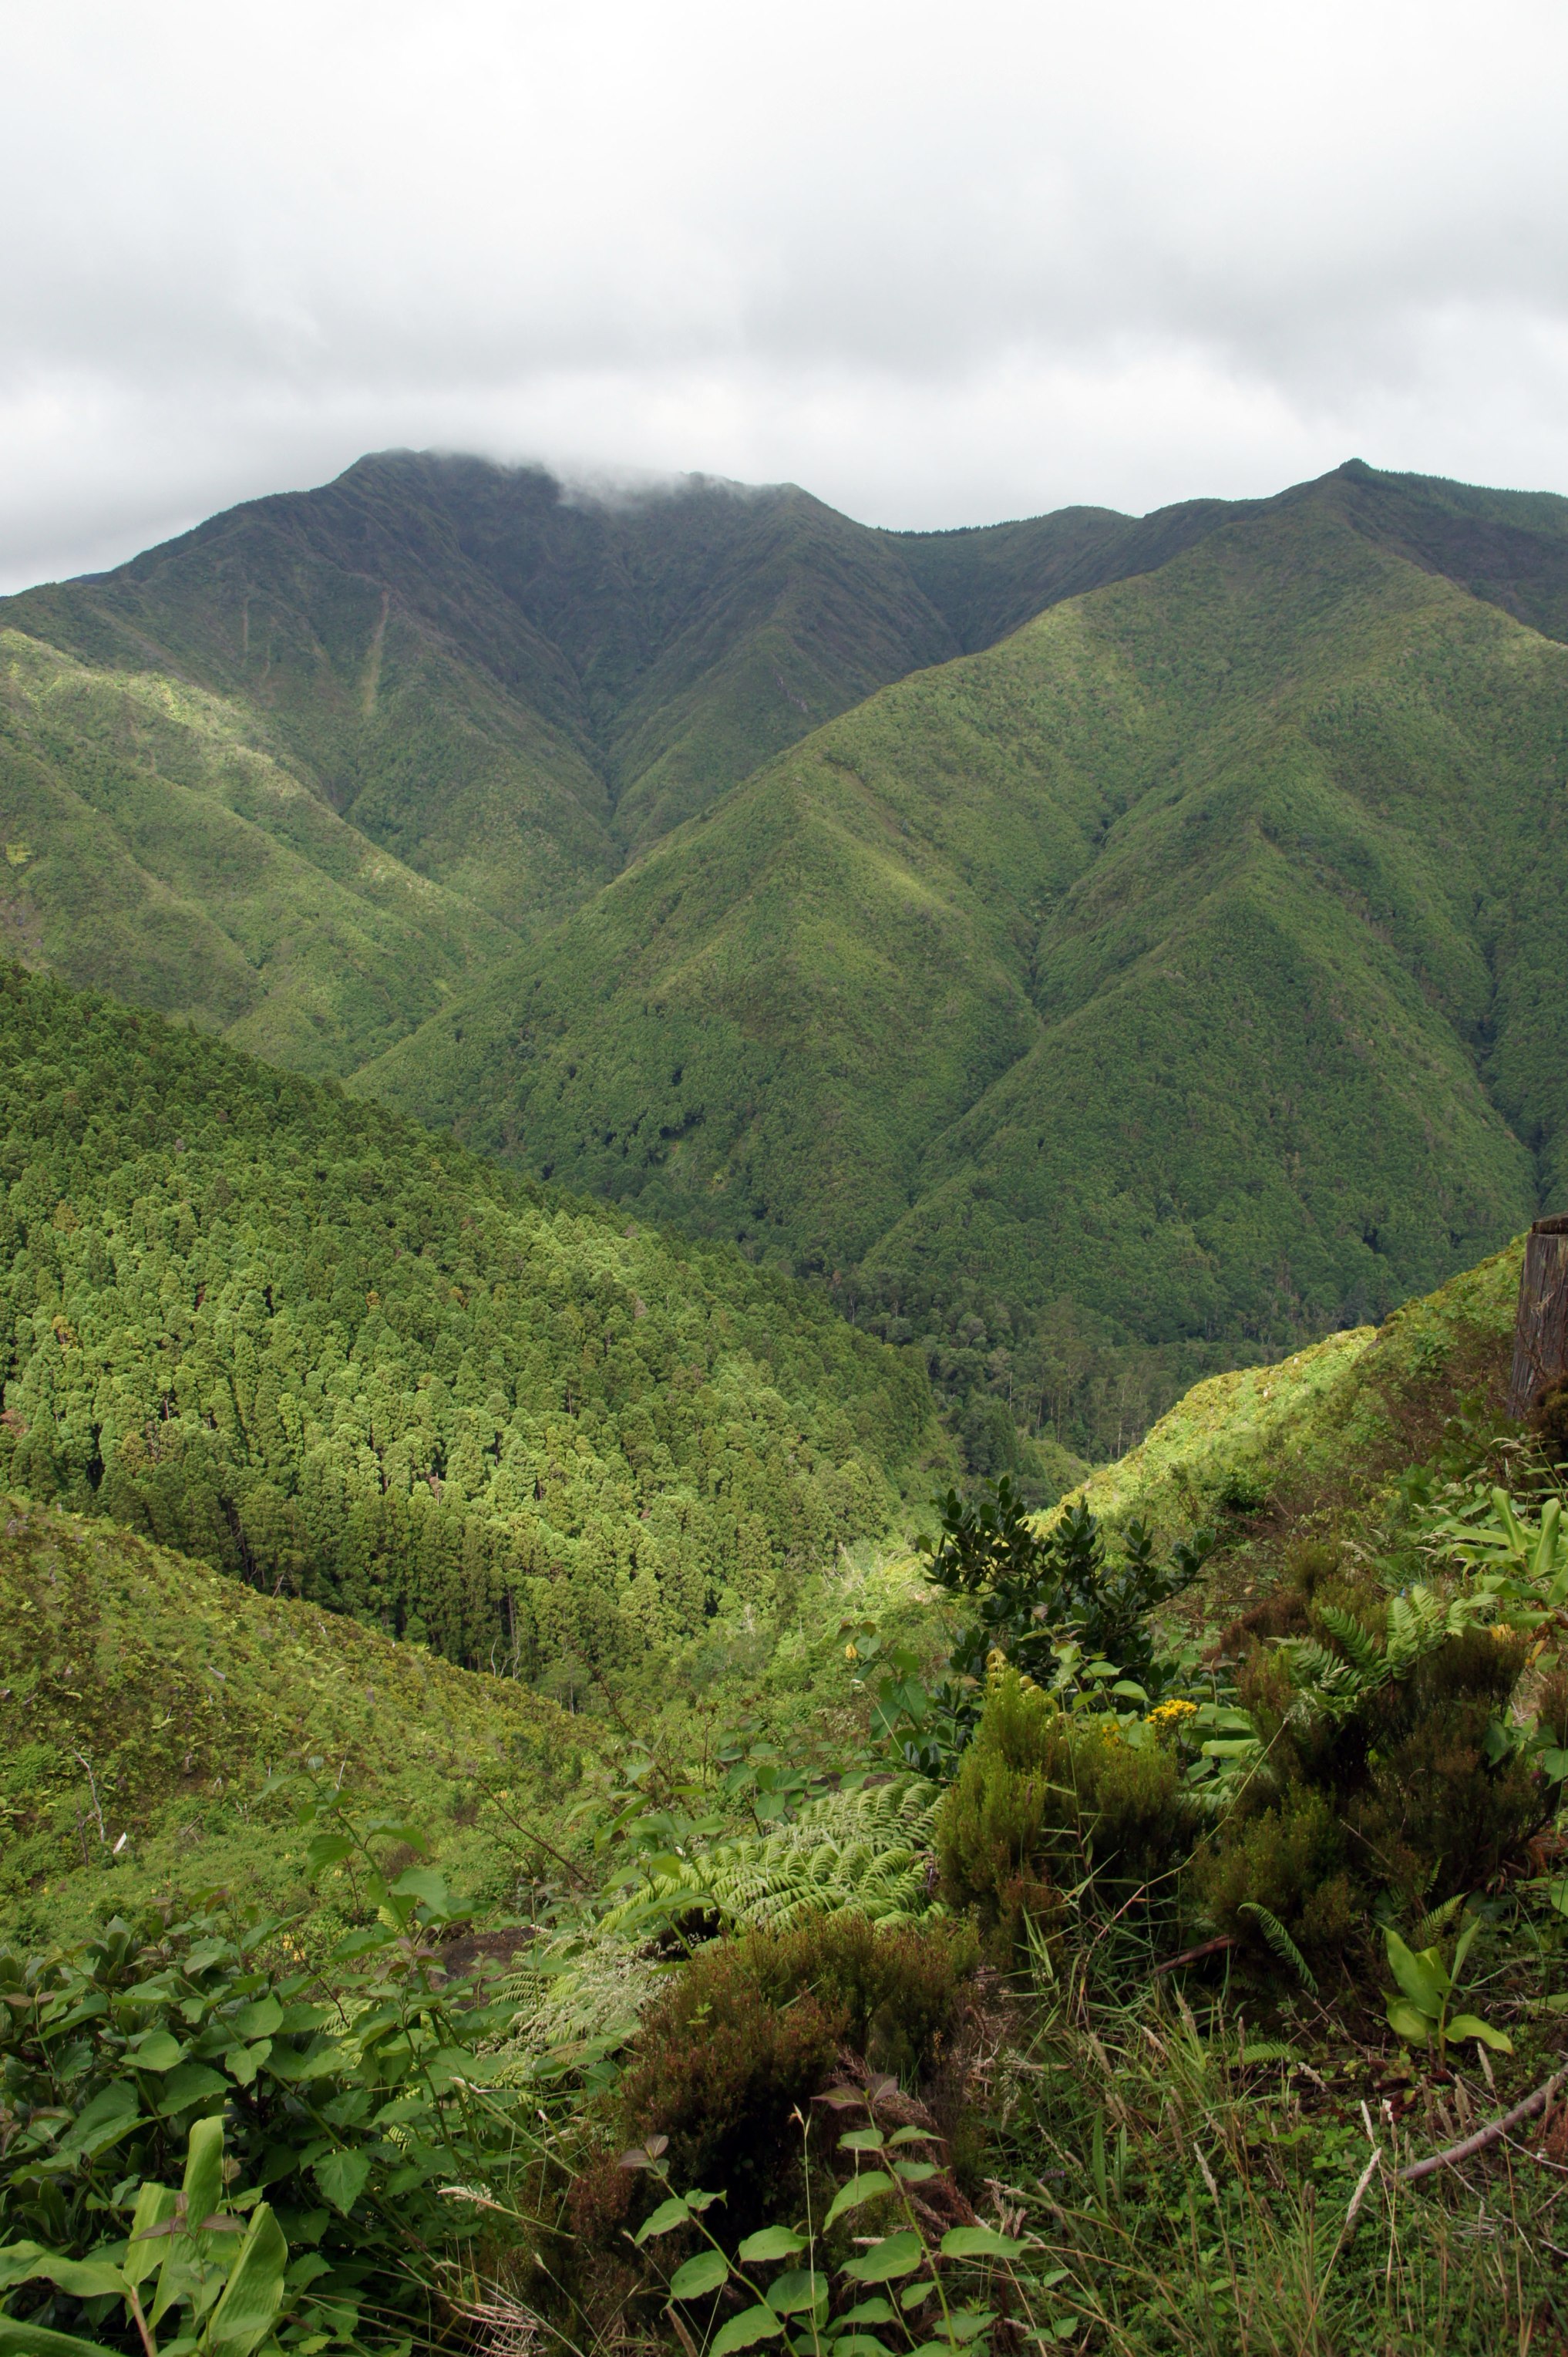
<point>1453,2153</point>
<point>1191,1956</point>
<point>92,1787</point>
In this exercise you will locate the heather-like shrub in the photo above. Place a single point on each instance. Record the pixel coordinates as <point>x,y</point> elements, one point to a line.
<point>1045,1794</point>
<point>749,2030</point>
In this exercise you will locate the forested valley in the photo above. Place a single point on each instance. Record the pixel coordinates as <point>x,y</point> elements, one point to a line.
<point>784,1429</point>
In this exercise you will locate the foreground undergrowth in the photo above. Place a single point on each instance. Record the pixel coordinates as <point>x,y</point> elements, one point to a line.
<point>1084,1974</point>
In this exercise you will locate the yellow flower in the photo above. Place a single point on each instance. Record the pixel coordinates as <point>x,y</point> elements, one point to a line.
<point>1166,1716</point>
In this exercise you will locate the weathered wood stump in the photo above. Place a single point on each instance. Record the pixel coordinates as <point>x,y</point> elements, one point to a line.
<point>1540,1328</point>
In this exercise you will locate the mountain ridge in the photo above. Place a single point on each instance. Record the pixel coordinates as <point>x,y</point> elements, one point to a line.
<point>686,856</point>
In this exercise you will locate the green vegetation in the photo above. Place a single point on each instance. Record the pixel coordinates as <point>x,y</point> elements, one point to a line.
<point>1249,805</point>
<point>146,1702</point>
<point>1159,988</point>
<point>502,1847</point>
<point>338,1357</point>
<point>155,849</point>
<point>1140,2026</point>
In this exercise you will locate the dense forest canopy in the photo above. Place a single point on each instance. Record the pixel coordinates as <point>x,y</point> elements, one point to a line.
<point>1098,950</point>
<point>310,1344</point>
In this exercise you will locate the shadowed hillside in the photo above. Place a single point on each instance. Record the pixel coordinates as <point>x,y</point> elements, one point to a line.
<point>1175,973</point>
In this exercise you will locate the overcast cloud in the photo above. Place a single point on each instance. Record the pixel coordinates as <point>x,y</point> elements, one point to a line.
<point>940,264</point>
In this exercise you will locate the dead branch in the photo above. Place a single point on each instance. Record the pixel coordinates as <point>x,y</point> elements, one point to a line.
<point>1453,2153</point>
<point>1191,1956</point>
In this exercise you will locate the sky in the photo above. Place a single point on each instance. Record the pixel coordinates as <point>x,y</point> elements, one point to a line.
<point>939,263</point>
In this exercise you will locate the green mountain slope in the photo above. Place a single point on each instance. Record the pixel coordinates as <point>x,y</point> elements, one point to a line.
<point>1176,971</point>
<point>145,1700</point>
<point>338,1357</point>
<point>155,848</point>
<point>502,685</point>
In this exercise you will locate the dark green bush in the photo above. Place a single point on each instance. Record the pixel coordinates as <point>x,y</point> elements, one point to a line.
<point>1410,1794</point>
<point>1042,1795</point>
<point>1280,1858</point>
<point>749,2031</point>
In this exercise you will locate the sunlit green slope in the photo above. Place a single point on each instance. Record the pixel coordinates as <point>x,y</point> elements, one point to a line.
<point>153,847</point>
<point>338,1357</point>
<point>144,1701</point>
<point>1272,1457</point>
<point>1187,958</point>
<point>502,683</point>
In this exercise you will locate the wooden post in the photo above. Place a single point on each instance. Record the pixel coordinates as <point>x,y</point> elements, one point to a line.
<point>1540,1328</point>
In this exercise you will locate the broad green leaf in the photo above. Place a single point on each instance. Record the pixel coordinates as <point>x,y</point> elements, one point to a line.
<point>869,2311</point>
<point>254,2293</point>
<point>203,2185</point>
<point>17,2261</point>
<point>318,2061</point>
<point>857,2344</point>
<point>243,2062</point>
<point>1407,2023</point>
<point>865,2187</point>
<point>111,2115</point>
<point>328,1849</point>
<point>978,2242</point>
<point>1423,1977</point>
<point>342,2177</point>
<point>155,2205</point>
<point>1470,2025</point>
<point>862,2140</point>
<point>895,2256</point>
<point>770,2243</point>
<point>157,2051</point>
<point>794,2294</point>
<point>1462,1947</point>
<point>1555,1764</point>
<point>700,2274</point>
<point>192,2083</point>
<point>916,2172</point>
<point>37,2341</point>
<point>914,2135</point>
<point>410,1836</point>
<point>262,2019</point>
<point>82,2278</point>
<point>673,2212</point>
<point>426,1887</point>
<point>745,2331</point>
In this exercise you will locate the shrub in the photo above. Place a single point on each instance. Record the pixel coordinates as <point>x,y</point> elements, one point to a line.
<point>898,1987</point>
<point>118,2057</point>
<point>1286,1857</point>
<point>1404,1785</point>
<point>748,2032</point>
<point>1041,1791</point>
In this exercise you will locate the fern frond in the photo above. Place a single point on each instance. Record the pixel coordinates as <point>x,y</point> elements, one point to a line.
<point>863,1851</point>
<point>1365,1650</point>
<point>1283,1947</point>
<point>1436,1921</point>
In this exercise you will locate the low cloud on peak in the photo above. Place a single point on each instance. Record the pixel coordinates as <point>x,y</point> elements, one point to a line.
<point>938,267</point>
